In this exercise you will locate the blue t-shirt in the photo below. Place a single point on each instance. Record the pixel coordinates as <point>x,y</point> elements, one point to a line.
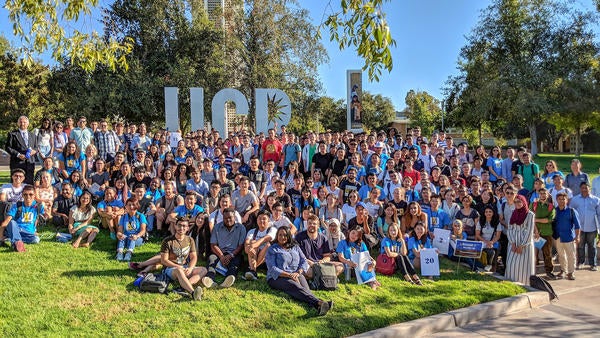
<point>182,211</point>
<point>393,245</point>
<point>414,244</point>
<point>114,203</point>
<point>132,224</point>
<point>27,216</point>
<point>290,152</point>
<point>496,164</point>
<point>155,195</point>
<point>437,219</point>
<point>347,249</point>
<point>71,163</point>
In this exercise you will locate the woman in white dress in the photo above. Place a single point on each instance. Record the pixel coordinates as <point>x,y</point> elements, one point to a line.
<point>520,262</point>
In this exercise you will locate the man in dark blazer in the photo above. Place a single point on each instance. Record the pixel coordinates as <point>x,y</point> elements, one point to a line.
<point>17,144</point>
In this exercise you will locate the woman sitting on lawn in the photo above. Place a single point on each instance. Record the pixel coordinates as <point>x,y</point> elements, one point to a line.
<point>351,245</point>
<point>132,228</point>
<point>80,219</point>
<point>394,247</point>
<point>286,265</point>
<point>417,242</point>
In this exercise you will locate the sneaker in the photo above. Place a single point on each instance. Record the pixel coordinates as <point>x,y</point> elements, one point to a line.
<point>19,246</point>
<point>181,291</point>
<point>127,257</point>
<point>197,294</point>
<point>113,236</point>
<point>487,268</point>
<point>551,276</point>
<point>330,305</point>
<point>248,276</point>
<point>120,256</point>
<point>254,275</point>
<point>208,282</point>
<point>560,275</point>
<point>578,267</point>
<point>594,268</point>
<point>322,308</point>
<point>228,282</point>
<point>570,276</point>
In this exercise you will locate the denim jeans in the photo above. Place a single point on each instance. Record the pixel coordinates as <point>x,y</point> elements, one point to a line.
<point>15,234</point>
<point>589,239</point>
<point>129,244</point>
<point>151,219</point>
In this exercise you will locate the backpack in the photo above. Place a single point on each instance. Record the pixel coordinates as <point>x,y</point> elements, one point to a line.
<point>385,265</point>
<point>324,277</point>
<point>543,285</point>
<point>155,283</point>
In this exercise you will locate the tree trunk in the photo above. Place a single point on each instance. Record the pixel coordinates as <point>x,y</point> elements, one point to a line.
<point>577,140</point>
<point>533,134</point>
<point>479,133</point>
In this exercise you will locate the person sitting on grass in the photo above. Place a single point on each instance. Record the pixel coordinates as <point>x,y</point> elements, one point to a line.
<point>257,243</point>
<point>394,247</point>
<point>351,245</point>
<point>62,206</point>
<point>315,246</point>
<point>418,241</point>
<point>80,219</point>
<point>110,210</point>
<point>20,223</point>
<point>285,271</point>
<point>178,256</point>
<point>227,242</point>
<point>132,228</point>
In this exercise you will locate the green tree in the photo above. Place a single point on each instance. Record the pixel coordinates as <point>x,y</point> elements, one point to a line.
<point>377,111</point>
<point>519,53</point>
<point>424,111</point>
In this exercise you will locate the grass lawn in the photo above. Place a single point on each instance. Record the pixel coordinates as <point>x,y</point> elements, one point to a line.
<point>55,290</point>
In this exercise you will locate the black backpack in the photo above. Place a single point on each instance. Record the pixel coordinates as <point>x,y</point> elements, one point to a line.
<point>155,283</point>
<point>324,277</point>
<point>542,284</point>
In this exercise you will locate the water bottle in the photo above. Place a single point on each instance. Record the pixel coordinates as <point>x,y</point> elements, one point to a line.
<point>28,153</point>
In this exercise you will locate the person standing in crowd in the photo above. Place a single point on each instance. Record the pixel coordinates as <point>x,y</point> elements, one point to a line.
<point>588,208</point>
<point>21,145</point>
<point>566,236</point>
<point>82,135</point>
<point>271,148</point>
<point>576,177</point>
<point>107,142</point>
<point>520,263</point>
<point>44,136</point>
<point>544,214</point>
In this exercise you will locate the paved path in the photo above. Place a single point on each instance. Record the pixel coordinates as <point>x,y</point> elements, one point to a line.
<point>575,314</point>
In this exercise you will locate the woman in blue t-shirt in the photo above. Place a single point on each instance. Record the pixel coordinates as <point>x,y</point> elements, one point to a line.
<point>394,247</point>
<point>494,164</point>
<point>417,242</point>
<point>351,245</point>
<point>71,159</point>
<point>132,228</point>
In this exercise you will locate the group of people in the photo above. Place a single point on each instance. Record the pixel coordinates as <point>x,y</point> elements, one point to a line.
<point>293,203</point>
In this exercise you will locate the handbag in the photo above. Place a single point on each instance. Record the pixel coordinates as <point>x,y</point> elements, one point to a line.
<point>385,265</point>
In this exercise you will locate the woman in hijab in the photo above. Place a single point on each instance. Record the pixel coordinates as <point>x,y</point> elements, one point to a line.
<point>520,263</point>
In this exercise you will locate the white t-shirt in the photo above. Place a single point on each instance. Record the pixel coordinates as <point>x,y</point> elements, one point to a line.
<point>487,232</point>
<point>284,221</point>
<point>216,217</point>
<point>271,231</point>
<point>13,194</point>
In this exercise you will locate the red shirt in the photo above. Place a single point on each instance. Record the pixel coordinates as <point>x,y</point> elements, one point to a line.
<point>271,150</point>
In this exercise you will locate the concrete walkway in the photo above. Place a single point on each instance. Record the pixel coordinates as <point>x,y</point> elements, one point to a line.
<point>575,314</point>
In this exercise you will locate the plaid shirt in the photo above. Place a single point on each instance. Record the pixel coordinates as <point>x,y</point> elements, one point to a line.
<point>107,143</point>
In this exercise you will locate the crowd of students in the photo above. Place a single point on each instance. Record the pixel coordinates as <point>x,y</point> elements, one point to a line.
<point>293,202</point>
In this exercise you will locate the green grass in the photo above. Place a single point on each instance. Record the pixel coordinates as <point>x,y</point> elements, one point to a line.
<point>58,291</point>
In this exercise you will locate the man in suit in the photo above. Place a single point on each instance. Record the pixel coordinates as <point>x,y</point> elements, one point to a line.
<point>17,144</point>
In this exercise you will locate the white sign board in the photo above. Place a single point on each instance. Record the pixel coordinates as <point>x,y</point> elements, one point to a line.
<point>441,240</point>
<point>430,263</point>
<point>365,263</point>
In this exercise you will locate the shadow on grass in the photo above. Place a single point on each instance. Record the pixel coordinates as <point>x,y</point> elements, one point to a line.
<point>97,273</point>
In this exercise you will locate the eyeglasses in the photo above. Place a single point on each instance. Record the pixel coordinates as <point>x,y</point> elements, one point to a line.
<point>28,194</point>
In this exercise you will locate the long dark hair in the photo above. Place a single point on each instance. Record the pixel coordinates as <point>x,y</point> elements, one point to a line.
<point>43,130</point>
<point>89,206</point>
<point>290,241</point>
<point>495,218</point>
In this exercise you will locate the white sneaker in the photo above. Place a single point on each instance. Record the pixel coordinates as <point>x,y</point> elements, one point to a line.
<point>248,276</point>
<point>208,282</point>
<point>120,256</point>
<point>488,268</point>
<point>197,294</point>
<point>228,282</point>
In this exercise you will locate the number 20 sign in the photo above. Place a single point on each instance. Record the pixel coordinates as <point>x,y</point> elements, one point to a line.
<point>430,264</point>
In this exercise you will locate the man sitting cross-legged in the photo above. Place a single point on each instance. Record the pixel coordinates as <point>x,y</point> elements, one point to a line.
<point>257,243</point>
<point>315,247</point>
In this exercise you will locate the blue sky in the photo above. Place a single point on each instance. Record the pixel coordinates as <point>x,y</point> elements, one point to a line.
<point>428,34</point>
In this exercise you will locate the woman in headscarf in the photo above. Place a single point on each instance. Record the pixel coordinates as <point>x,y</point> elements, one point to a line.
<point>520,263</point>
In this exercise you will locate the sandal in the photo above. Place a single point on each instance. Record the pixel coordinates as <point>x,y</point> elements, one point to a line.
<point>417,280</point>
<point>408,279</point>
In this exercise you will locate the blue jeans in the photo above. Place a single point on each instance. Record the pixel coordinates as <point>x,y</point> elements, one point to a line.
<point>151,219</point>
<point>15,234</point>
<point>129,244</point>
<point>589,239</point>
